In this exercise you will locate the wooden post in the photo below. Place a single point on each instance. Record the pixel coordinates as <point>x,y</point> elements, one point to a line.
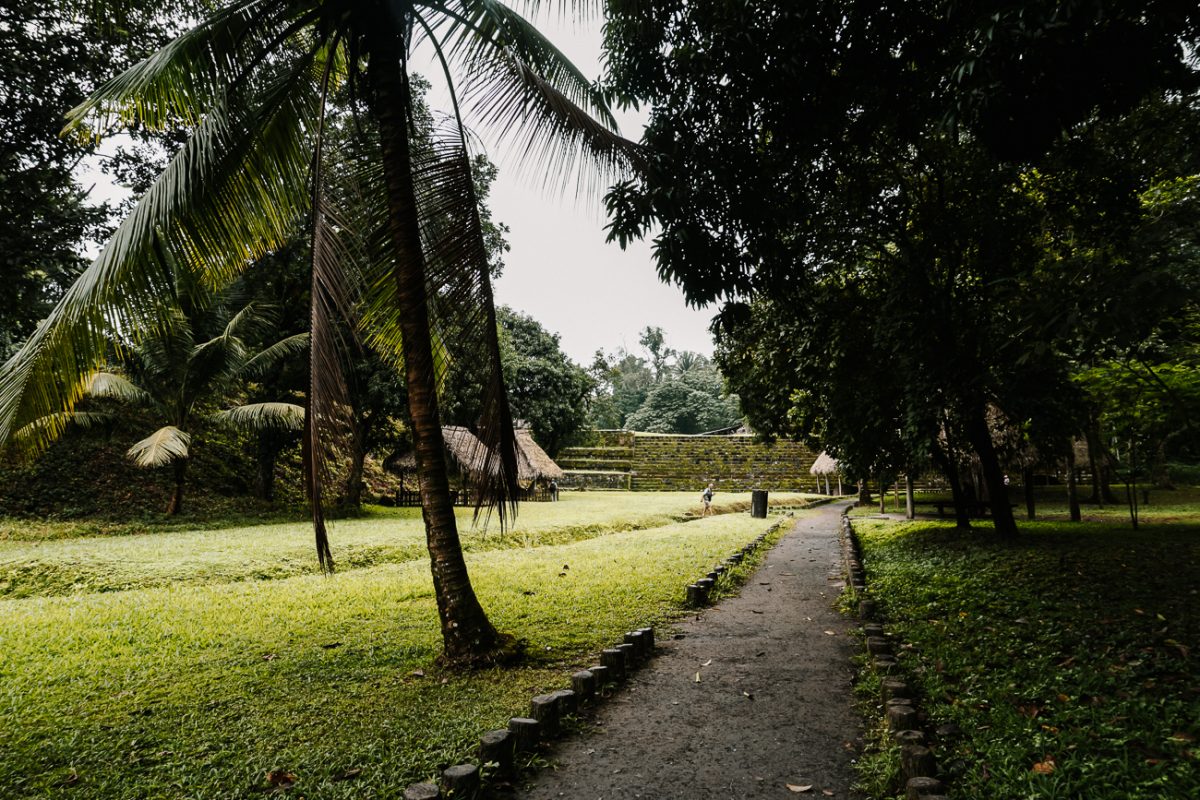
<point>496,747</point>
<point>916,761</point>
<point>600,673</point>
<point>568,702</point>
<point>648,636</point>
<point>526,733</point>
<point>462,780</point>
<point>922,788</point>
<point>544,708</point>
<point>584,684</point>
<point>615,661</point>
<point>422,791</point>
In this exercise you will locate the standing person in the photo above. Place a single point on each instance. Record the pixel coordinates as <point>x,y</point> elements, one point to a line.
<point>707,496</point>
<point>553,490</point>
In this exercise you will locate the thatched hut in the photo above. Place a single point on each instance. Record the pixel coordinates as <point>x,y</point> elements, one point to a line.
<point>466,455</point>
<point>826,465</point>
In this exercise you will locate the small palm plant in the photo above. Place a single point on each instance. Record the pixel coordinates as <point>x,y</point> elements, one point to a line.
<point>199,358</point>
<point>254,82</point>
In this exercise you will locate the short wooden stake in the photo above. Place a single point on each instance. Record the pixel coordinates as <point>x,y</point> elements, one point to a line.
<point>916,761</point>
<point>615,661</point>
<point>648,635</point>
<point>462,780</point>
<point>894,687</point>
<point>909,737</point>
<point>584,684</point>
<point>901,718</point>
<point>526,733</point>
<point>544,708</point>
<point>422,791</point>
<point>878,646</point>
<point>600,673</point>
<point>496,747</point>
<point>568,702</point>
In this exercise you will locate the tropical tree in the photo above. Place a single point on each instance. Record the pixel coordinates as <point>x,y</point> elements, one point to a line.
<point>176,370</point>
<point>254,81</point>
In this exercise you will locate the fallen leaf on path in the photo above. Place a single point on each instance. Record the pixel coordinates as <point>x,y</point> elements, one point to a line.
<point>697,677</point>
<point>753,611</point>
<point>748,695</point>
<point>827,792</point>
<point>830,633</point>
<point>798,789</point>
<point>706,663</point>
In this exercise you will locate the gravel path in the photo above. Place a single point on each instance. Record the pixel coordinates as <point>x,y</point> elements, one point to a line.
<point>772,706</point>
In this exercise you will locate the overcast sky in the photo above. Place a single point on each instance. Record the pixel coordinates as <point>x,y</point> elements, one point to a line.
<point>560,271</point>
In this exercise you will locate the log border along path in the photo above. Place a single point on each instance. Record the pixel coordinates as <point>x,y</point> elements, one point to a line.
<point>749,699</point>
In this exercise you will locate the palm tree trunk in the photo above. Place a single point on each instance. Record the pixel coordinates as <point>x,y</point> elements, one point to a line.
<point>945,462</point>
<point>467,634</point>
<point>179,470</point>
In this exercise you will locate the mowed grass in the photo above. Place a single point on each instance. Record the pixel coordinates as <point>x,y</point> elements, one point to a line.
<point>1067,658</point>
<point>198,691</point>
<point>37,561</point>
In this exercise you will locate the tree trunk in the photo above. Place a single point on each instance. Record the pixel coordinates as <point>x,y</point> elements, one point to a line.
<point>467,634</point>
<point>864,493</point>
<point>1027,480</point>
<point>179,469</point>
<point>946,464</point>
<point>268,453</point>
<point>882,496</point>
<point>1072,488</point>
<point>993,477</point>
<point>1092,434</point>
<point>1159,470</point>
<point>909,508</point>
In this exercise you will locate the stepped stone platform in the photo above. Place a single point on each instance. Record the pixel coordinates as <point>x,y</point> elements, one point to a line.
<point>658,462</point>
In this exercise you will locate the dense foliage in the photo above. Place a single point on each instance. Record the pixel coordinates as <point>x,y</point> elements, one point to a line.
<point>920,217</point>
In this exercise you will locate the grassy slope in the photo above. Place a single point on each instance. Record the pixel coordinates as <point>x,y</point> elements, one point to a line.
<point>1072,648</point>
<point>36,563</point>
<point>197,690</point>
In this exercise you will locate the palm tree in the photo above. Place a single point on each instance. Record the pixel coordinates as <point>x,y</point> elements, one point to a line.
<point>253,81</point>
<point>199,357</point>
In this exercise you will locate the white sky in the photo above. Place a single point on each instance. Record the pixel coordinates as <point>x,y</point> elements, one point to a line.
<point>560,271</point>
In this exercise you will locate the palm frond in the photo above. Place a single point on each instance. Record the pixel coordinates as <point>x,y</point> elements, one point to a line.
<point>160,448</point>
<point>79,419</point>
<point>188,77</point>
<point>118,387</point>
<point>462,309</point>
<point>232,193</point>
<point>516,83</point>
<point>263,417</point>
<point>280,351</point>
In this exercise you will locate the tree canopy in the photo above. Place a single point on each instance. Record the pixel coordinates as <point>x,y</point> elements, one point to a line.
<point>912,213</point>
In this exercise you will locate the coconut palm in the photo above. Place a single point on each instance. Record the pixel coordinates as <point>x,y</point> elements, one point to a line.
<point>253,82</point>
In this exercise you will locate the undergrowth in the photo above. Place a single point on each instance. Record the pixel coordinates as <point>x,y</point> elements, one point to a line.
<point>1065,658</point>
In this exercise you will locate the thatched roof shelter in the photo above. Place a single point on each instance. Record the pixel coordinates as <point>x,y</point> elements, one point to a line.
<point>533,463</point>
<point>467,453</point>
<point>825,465</point>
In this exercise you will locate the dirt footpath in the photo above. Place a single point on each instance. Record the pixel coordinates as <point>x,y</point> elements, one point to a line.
<point>753,696</point>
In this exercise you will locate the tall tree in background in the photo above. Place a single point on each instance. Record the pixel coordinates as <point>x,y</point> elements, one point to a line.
<point>253,82</point>
<point>51,57</point>
<point>919,165</point>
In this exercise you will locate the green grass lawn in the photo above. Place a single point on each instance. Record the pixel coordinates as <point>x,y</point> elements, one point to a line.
<point>197,687</point>
<point>1067,658</point>
<point>44,560</point>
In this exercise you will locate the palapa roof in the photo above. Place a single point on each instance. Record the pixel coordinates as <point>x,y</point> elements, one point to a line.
<point>824,465</point>
<point>468,453</point>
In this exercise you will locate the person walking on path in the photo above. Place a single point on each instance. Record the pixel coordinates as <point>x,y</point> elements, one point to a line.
<point>747,698</point>
<point>706,497</point>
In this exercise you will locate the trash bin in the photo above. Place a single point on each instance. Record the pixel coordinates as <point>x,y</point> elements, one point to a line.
<point>758,504</point>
